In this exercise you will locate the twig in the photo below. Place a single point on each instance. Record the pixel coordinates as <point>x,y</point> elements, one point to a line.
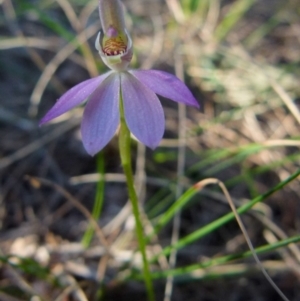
<point>180,173</point>
<point>37,144</point>
<point>37,182</point>
<point>243,229</point>
<point>50,69</point>
<point>76,24</point>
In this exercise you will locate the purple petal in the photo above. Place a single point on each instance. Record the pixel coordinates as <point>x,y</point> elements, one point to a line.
<point>101,115</point>
<point>74,97</point>
<point>166,85</point>
<point>143,112</point>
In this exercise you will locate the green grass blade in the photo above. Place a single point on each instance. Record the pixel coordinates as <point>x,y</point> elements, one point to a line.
<point>99,198</point>
<point>184,271</point>
<point>238,9</point>
<point>219,222</point>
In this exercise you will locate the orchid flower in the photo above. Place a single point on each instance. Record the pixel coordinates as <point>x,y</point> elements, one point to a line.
<point>136,89</point>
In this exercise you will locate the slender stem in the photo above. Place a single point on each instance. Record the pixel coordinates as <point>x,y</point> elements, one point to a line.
<point>180,172</point>
<point>89,233</point>
<point>124,145</point>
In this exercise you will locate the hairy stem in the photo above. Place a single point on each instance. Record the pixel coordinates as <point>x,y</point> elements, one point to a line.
<point>124,145</point>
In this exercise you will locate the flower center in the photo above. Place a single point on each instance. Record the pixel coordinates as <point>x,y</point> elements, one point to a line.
<point>114,45</point>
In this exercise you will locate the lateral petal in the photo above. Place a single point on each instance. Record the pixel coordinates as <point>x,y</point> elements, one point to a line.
<point>166,85</point>
<point>101,115</point>
<point>143,111</point>
<point>74,97</point>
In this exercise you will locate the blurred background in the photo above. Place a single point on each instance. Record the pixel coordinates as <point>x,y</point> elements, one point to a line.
<point>241,60</point>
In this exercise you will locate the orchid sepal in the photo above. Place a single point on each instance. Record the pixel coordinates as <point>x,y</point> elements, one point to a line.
<point>111,15</point>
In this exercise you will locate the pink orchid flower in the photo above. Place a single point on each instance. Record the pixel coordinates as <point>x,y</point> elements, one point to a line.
<point>137,90</point>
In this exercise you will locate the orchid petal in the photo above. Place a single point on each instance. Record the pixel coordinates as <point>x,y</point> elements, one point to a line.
<point>166,85</point>
<point>101,115</point>
<point>143,111</point>
<point>74,97</point>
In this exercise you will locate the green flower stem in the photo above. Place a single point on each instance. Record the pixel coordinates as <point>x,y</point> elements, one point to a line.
<point>124,145</point>
<point>89,233</point>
